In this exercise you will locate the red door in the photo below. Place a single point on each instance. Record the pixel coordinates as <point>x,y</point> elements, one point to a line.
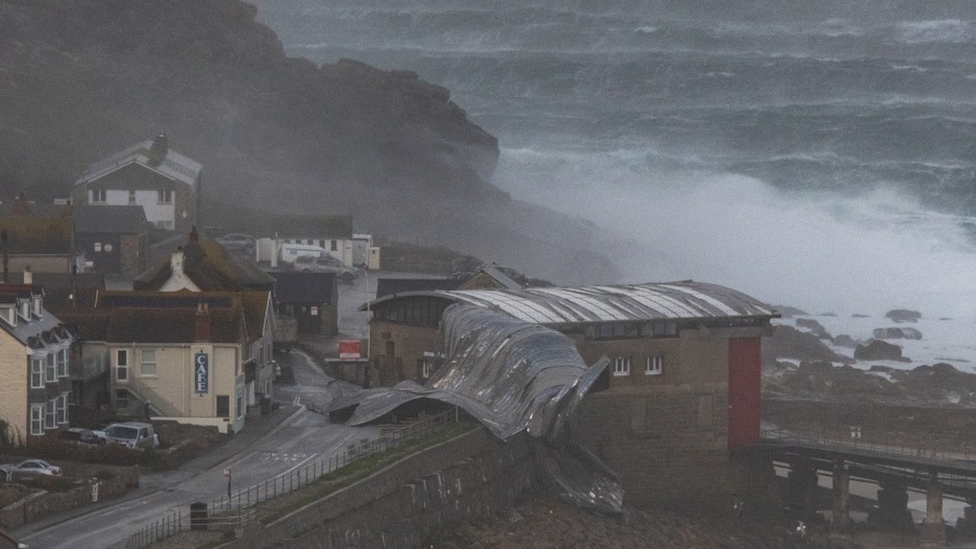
<point>745,367</point>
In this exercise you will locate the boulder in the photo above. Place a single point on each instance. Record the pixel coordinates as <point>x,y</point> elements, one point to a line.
<point>813,327</point>
<point>845,340</point>
<point>897,333</point>
<point>876,349</point>
<point>904,315</point>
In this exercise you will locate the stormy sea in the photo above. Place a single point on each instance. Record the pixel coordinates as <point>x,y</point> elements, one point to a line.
<point>818,155</point>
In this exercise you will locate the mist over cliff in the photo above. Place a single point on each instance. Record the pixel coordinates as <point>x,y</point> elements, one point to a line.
<point>80,80</point>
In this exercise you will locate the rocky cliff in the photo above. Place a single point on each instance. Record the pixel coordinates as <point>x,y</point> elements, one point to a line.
<point>82,79</point>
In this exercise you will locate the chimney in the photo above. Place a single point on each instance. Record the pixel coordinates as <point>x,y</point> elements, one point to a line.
<point>158,150</point>
<point>201,324</point>
<point>28,276</point>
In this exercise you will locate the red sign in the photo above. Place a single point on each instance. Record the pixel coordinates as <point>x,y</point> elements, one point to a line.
<point>349,348</point>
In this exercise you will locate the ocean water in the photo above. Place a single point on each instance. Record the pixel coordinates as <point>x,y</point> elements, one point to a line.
<point>820,156</point>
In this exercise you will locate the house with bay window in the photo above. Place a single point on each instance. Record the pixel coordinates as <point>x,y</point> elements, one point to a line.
<point>179,356</point>
<point>34,364</point>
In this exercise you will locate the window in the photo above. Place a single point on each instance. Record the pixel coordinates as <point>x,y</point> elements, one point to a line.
<point>654,366</point>
<point>240,404</point>
<point>37,373</point>
<point>321,243</point>
<point>63,409</point>
<point>335,246</point>
<point>63,363</point>
<point>661,328</point>
<point>165,197</point>
<point>309,241</point>
<point>132,197</point>
<point>148,362</point>
<point>426,368</point>
<point>37,419</point>
<point>223,406</point>
<point>51,418</point>
<point>52,367</point>
<point>98,246</point>
<point>121,398</point>
<point>621,366</point>
<point>98,196</point>
<point>121,365</point>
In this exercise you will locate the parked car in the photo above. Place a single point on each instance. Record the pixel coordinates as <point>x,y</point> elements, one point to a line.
<point>29,467</point>
<point>237,242</point>
<point>132,434</point>
<point>77,435</point>
<point>326,264</point>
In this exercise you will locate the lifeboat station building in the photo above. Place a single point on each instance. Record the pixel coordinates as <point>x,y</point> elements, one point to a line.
<point>681,393</point>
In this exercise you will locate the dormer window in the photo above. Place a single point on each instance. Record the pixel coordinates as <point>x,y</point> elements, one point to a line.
<point>25,309</point>
<point>8,314</point>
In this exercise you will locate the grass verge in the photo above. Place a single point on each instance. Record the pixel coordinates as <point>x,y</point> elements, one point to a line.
<point>271,510</point>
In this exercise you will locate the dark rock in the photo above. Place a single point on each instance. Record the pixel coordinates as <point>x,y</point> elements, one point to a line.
<point>876,349</point>
<point>845,340</point>
<point>788,342</point>
<point>858,315</point>
<point>789,312</point>
<point>813,327</point>
<point>897,333</point>
<point>904,315</point>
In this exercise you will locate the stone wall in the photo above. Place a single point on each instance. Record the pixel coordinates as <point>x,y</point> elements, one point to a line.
<point>40,504</point>
<point>472,476</point>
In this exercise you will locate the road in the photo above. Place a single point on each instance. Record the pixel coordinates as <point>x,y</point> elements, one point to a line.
<point>304,437</point>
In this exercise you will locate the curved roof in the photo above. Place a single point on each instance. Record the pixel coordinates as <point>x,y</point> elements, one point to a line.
<point>608,303</point>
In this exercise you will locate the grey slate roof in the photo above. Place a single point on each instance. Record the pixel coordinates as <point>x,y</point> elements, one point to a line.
<point>300,287</point>
<point>174,165</point>
<point>124,219</point>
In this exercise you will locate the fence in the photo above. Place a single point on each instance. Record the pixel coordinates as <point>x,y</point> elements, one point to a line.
<point>888,443</point>
<point>233,512</point>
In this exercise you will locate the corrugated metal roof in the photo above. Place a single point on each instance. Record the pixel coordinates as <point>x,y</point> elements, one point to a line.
<point>609,303</point>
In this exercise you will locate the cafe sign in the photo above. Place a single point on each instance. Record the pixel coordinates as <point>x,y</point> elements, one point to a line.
<point>201,373</point>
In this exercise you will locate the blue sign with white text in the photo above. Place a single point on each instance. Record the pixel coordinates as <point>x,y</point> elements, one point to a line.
<point>201,372</point>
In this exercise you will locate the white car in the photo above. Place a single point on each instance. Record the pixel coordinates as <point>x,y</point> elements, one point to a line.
<point>29,467</point>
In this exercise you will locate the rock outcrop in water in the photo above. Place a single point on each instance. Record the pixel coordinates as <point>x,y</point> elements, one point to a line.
<point>81,80</point>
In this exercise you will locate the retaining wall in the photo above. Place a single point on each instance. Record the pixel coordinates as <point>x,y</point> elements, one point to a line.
<point>401,506</point>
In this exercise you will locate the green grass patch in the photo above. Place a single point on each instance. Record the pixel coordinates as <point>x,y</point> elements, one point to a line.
<point>359,469</point>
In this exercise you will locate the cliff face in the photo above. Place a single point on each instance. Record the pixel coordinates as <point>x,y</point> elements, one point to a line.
<point>82,79</point>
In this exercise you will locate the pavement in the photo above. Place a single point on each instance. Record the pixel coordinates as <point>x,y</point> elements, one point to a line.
<point>151,481</point>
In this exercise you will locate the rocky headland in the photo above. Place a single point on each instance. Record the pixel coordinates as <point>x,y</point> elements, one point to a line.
<point>81,80</point>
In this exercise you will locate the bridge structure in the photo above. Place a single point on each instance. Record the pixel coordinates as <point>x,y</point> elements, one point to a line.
<point>895,469</point>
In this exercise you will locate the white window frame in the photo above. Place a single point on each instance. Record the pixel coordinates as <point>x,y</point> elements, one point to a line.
<point>37,372</point>
<point>37,419</point>
<point>62,363</point>
<point>143,363</point>
<point>121,365</point>
<point>51,415</point>
<point>52,367</point>
<point>99,196</point>
<point>164,196</point>
<point>654,365</point>
<point>621,366</point>
<point>63,409</point>
<point>132,197</point>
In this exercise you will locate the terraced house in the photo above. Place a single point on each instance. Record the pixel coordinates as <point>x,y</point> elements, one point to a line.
<point>34,364</point>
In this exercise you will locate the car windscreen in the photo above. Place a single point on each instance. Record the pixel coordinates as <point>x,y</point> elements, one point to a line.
<point>120,431</point>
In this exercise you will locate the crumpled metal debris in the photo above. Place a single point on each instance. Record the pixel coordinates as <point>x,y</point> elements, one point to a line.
<point>512,376</point>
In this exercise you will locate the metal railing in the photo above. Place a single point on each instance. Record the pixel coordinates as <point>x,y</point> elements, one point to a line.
<point>303,476</point>
<point>886,443</point>
<point>233,512</point>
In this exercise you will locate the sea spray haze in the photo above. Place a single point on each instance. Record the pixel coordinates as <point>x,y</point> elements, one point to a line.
<point>817,154</point>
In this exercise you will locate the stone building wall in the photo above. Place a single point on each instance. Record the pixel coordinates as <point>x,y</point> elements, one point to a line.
<point>472,476</point>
